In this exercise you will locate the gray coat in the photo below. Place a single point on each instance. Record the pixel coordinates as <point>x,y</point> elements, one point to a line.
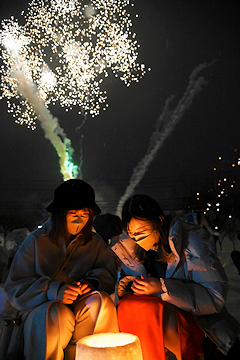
<point>32,278</point>
<point>195,281</point>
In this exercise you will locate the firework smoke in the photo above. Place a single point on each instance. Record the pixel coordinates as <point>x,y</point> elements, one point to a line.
<point>165,125</point>
<point>62,55</point>
<point>49,124</point>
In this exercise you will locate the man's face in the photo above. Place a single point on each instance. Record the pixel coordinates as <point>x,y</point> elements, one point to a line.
<point>76,220</point>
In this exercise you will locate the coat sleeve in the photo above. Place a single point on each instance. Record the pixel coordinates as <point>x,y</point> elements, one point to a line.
<point>197,281</point>
<point>25,289</point>
<point>104,272</point>
<point>200,299</point>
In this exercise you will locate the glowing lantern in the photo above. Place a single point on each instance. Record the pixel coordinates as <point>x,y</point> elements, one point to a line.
<point>109,346</point>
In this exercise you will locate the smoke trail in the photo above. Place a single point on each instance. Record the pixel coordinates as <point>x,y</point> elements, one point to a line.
<point>78,131</point>
<point>164,126</point>
<point>49,124</point>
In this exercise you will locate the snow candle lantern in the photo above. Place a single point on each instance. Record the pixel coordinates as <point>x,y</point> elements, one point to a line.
<point>109,346</point>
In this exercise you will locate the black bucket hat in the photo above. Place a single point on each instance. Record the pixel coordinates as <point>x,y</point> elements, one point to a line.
<point>74,194</point>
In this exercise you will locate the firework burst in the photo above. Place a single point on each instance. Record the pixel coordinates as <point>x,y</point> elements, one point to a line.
<point>66,50</point>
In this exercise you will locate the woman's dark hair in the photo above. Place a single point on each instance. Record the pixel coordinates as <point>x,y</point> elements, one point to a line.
<point>59,226</point>
<point>143,207</point>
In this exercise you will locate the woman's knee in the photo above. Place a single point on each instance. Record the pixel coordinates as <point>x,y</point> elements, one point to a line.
<point>170,324</point>
<point>170,330</point>
<point>60,313</point>
<point>106,300</point>
<point>60,324</point>
<point>93,302</point>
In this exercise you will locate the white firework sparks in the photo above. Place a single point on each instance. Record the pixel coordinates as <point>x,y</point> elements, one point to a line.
<point>66,50</point>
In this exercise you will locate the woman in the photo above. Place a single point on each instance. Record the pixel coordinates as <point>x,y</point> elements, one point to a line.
<point>164,310</point>
<point>61,277</point>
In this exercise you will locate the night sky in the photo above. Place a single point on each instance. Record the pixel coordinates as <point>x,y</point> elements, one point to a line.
<point>175,37</point>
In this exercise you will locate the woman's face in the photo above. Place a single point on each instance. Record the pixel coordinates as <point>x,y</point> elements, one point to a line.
<point>143,232</point>
<point>76,220</point>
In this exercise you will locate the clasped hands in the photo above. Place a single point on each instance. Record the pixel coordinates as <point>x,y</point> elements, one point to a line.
<point>68,293</point>
<point>146,286</point>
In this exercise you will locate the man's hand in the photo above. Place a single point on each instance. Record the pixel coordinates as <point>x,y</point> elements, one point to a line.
<point>147,286</point>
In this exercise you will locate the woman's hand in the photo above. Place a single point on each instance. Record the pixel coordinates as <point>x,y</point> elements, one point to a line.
<point>85,287</point>
<point>68,293</point>
<point>146,286</point>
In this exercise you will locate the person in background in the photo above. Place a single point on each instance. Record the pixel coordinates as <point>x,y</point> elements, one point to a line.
<point>62,276</point>
<point>197,217</point>
<point>109,227</point>
<point>173,288</point>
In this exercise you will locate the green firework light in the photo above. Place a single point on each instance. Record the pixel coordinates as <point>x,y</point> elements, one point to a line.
<point>62,55</point>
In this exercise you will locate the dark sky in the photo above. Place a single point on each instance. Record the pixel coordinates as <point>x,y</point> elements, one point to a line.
<point>175,37</point>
